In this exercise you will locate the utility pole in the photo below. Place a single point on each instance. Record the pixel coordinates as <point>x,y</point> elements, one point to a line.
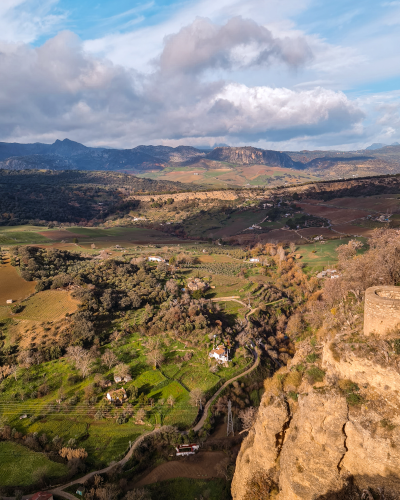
<point>229,429</point>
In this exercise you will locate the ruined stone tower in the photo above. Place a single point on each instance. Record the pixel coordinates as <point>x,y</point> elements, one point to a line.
<point>382,309</point>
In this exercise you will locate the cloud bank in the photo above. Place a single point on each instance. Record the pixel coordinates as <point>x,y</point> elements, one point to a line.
<point>58,90</point>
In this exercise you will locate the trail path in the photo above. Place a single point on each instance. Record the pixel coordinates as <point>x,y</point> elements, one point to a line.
<point>201,422</point>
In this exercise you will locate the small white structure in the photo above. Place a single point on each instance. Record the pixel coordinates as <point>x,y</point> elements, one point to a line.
<point>117,379</point>
<point>220,353</point>
<point>186,449</point>
<point>155,258</point>
<point>10,301</point>
<point>254,259</point>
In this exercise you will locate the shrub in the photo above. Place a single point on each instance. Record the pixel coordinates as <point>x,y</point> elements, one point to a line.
<point>293,395</point>
<point>334,351</point>
<point>293,379</point>
<point>312,358</point>
<point>17,308</point>
<point>396,346</point>
<point>315,374</point>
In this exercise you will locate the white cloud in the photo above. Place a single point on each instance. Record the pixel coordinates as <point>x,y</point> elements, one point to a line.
<point>26,20</point>
<point>59,90</point>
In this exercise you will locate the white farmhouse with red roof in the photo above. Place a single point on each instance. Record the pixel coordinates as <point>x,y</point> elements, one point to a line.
<point>220,353</point>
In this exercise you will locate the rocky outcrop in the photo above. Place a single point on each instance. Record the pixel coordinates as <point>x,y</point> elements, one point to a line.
<point>314,448</point>
<point>253,156</point>
<point>330,439</point>
<point>261,448</point>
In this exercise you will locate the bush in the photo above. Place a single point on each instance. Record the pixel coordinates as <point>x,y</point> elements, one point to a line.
<point>312,358</point>
<point>17,308</point>
<point>315,374</point>
<point>293,395</point>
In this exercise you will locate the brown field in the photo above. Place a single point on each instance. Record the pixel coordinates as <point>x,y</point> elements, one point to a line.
<point>335,215</point>
<point>200,466</point>
<point>59,235</point>
<point>12,286</point>
<point>30,333</point>
<point>353,230</point>
<point>317,231</point>
<point>215,258</point>
<point>49,305</point>
<point>371,203</point>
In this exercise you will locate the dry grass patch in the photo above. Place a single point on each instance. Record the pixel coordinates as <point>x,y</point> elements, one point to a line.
<point>49,305</point>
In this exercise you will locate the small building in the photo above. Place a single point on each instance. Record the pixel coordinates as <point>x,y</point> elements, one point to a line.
<point>23,416</point>
<point>42,495</point>
<point>80,490</point>
<point>10,301</point>
<point>186,449</point>
<point>197,284</point>
<point>254,259</point>
<point>117,396</point>
<point>155,258</point>
<point>220,353</point>
<point>117,379</point>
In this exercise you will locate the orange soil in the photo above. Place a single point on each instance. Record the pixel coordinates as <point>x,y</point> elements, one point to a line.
<point>12,286</point>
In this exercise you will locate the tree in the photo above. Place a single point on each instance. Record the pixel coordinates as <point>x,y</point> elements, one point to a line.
<point>138,494</point>
<point>155,357</point>
<point>248,416</point>
<point>122,370</point>
<point>197,397</point>
<point>71,453</point>
<point>140,415</point>
<point>75,240</point>
<point>171,400</point>
<point>172,287</point>
<point>109,359</point>
<point>82,359</point>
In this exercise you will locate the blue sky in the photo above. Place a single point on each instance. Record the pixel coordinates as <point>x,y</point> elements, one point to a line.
<point>292,74</point>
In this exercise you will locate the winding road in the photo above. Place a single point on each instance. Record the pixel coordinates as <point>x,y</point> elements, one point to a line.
<point>59,490</point>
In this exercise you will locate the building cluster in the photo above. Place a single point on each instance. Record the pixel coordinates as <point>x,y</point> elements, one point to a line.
<point>197,284</point>
<point>329,273</point>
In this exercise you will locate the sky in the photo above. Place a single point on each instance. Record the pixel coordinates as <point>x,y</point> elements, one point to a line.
<point>274,74</point>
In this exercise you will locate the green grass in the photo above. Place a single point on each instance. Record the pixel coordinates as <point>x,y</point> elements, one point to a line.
<point>190,489</point>
<point>325,254</point>
<point>21,237</point>
<point>18,465</point>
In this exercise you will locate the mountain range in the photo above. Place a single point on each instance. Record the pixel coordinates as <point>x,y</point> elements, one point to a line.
<point>222,165</point>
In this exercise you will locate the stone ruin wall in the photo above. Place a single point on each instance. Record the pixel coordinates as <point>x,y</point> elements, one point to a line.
<point>382,309</point>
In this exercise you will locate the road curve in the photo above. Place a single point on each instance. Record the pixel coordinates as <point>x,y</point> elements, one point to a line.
<point>201,422</point>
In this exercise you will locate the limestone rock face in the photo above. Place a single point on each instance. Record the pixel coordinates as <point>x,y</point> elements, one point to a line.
<point>314,448</point>
<point>333,442</point>
<point>371,456</point>
<point>261,447</point>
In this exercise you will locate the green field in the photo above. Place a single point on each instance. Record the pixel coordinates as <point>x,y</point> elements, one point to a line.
<point>19,466</point>
<point>325,254</point>
<point>190,489</point>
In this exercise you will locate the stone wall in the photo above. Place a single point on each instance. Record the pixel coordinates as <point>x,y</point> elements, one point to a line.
<point>382,309</point>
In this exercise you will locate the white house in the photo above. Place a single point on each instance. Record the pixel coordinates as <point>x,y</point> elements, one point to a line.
<point>220,353</point>
<point>155,258</point>
<point>186,449</point>
<point>9,301</point>
<point>254,259</point>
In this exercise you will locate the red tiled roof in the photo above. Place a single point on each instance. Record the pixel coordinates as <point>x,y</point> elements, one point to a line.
<point>41,495</point>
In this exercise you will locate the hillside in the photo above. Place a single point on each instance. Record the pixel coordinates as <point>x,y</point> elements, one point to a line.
<point>328,423</point>
<point>220,167</point>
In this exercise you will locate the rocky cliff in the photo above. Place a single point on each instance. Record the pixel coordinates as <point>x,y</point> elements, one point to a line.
<point>328,425</point>
<point>253,156</point>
